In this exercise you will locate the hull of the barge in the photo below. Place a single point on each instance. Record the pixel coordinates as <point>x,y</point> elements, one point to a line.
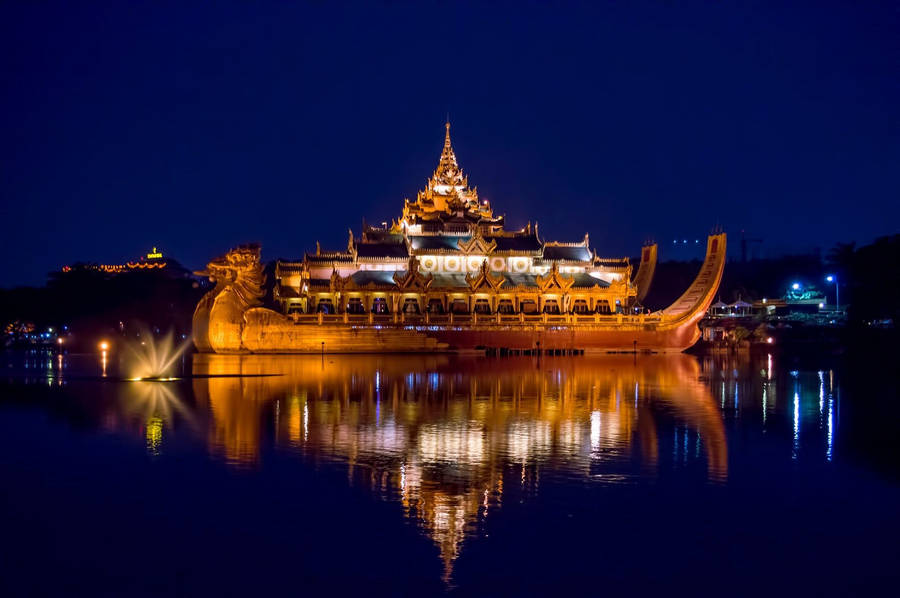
<point>343,338</point>
<point>570,338</point>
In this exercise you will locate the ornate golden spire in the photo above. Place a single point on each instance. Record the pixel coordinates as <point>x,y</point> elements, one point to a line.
<point>447,137</point>
<point>448,171</point>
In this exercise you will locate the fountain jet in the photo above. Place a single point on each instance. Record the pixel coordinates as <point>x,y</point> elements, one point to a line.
<point>152,360</point>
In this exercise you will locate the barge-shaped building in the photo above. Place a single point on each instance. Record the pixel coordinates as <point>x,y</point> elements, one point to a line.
<point>448,275</point>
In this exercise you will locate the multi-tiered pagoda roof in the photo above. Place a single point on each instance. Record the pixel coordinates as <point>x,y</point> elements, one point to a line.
<point>448,218</point>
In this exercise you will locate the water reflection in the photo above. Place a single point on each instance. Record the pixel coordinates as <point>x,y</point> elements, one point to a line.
<point>451,440</point>
<point>443,436</point>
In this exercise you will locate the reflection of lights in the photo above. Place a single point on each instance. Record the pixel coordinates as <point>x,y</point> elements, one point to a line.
<point>156,403</point>
<point>305,420</point>
<point>444,455</point>
<point>821,392</point>
<point>796,426</point>
<point>103,362</point>
<point>524,438</point>
<point>154,433</point>
<point>769,366</point>
<point>829,450</point>
<point>459,443</point>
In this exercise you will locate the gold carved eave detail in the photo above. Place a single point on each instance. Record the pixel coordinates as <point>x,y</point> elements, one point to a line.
<point>338,282</point>
<point>554,280</point>
<point>413,279</point>
<point>484,278</point>
<point>477,244</point>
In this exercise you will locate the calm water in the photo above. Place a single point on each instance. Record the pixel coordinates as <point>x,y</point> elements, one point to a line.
<point>436,474</point>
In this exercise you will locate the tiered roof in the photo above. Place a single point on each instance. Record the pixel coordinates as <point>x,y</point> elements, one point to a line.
<point>447,196</point>
<point>447,217</point>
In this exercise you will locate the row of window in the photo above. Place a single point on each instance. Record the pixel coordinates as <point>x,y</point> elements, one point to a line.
<point>461,306</point>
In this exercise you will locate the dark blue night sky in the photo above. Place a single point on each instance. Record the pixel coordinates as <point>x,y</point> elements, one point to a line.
<point>195,128</point>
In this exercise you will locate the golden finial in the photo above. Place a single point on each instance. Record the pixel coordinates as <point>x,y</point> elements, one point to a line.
<point>447,135</point>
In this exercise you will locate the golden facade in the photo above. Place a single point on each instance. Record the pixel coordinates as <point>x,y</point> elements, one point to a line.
<point>449,253</point>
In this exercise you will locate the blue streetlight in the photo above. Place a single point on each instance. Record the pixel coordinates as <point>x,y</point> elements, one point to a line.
<point>837,291</point>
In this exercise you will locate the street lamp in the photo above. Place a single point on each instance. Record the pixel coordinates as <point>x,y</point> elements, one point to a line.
<point>837,290</point>
<point>796,286</point>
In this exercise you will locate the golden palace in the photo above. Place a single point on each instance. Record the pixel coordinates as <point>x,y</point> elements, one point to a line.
<point>447,275</point>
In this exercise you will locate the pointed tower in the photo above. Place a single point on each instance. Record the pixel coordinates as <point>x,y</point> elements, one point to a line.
<point>447,203</point>
<point>448,172</point>
<point>448,188</point>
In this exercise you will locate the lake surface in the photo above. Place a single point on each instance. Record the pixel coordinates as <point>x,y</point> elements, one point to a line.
<point>423,475</point>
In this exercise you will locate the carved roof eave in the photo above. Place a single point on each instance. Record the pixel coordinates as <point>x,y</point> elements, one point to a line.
<point>476,244</point>
<point>391,259</point>
<point>291,268</point>
<point>485,277</point>
<point>554,279</point>
<point>565,244</point>
<point>327,257</point>
<point>437,290</point>
<point>351,286</point>
<point>494,253</point>
<point>413,279</point>
<point>565,261</point>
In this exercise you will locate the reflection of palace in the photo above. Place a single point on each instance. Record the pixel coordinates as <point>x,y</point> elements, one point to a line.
<point>443,434</point>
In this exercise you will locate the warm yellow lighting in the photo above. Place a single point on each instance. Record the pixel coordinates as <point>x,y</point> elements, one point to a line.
<point>154,434</point>
<point>154,255</point>
<point>770,340</point>
<point>59,341</point>
<point>104,346</point>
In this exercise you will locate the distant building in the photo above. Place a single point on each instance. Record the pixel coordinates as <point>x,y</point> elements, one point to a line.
<point>152,260</point>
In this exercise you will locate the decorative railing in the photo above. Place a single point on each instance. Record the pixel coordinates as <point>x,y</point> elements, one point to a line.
<point>478,319</point>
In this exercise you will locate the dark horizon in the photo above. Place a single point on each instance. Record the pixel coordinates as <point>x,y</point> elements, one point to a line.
<point>129,127</point>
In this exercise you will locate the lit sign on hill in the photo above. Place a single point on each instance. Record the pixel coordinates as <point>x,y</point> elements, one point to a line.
<point>154,255</point>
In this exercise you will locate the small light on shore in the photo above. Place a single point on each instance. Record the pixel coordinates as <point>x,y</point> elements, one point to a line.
<point>770,340</point>
<point>104,346</point>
